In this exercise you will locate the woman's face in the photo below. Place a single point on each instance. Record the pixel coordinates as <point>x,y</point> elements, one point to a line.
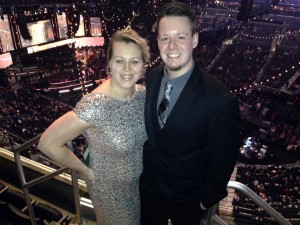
<point>126,64</point>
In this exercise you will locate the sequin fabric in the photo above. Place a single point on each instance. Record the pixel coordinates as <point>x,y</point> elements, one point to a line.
<point>116,145</point>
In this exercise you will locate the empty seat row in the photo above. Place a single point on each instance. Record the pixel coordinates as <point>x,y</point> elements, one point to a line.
<point>13,209</point>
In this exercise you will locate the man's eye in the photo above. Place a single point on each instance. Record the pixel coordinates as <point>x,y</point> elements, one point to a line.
<point>164,39</point>
<point>181,38</point>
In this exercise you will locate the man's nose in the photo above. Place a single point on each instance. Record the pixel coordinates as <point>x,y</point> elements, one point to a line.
<point>172,42</point>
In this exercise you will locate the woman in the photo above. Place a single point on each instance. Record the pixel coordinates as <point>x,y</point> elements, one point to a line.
<point>112,120</point>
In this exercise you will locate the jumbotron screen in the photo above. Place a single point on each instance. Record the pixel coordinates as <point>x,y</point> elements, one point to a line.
<point>41,32</point>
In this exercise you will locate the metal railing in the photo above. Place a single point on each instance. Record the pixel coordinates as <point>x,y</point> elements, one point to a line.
<point>212,218</point>
<point>26,185</point>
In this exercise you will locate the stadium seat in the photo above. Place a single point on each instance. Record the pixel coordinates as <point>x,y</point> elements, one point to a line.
<point>2,186</point>
<point>46,212</point>
<point>20,217</point>
<point>14,198</point>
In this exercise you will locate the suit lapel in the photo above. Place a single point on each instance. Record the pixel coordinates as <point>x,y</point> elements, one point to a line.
<point>154,100</point>
<point>152,124</point>
<point>193,88</point>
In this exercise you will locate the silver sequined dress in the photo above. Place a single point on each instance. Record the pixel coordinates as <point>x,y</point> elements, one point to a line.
<point>116,146</point>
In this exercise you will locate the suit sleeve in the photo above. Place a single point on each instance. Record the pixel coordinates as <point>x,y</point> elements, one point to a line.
<point>224,140</point>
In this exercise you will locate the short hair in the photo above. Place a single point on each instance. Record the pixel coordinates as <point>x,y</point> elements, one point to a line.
<point>177,9</point>
<point>129,36</point>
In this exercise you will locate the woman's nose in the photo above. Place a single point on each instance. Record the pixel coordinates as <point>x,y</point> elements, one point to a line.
<point>126,67</point>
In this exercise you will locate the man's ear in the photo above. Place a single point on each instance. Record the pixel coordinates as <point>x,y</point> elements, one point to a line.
<point>195,40</point>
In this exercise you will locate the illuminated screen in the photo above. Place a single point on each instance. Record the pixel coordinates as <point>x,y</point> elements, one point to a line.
<point>41,32</point>
<point>80,31</point>
<point>96,26</point>
<point>5,35</point>
<point>62,25</point>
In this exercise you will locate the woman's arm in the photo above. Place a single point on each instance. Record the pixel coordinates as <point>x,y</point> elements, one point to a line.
<point>52,143</point>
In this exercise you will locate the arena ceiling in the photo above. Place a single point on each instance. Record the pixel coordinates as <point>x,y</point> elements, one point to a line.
<point>7,6</point>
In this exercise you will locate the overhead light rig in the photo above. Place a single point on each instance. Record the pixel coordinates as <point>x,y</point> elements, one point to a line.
<point>39,7</point>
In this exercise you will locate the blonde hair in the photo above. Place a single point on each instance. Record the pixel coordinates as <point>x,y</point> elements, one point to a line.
<point>129,35</point>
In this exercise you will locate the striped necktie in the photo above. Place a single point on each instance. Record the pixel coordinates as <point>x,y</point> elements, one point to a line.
<point>163,106</point>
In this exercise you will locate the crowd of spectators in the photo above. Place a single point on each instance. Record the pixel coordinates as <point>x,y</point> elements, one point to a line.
<point>292,36</point>
<point>282,67</point>
<point>279,186</point>
<point>287,9</point>
<point>24,114</point>
<point>235,63</point>
<point>276,122</point>
<point>295,86</point>
<point>210,44</point>
<point>239,64</point>
<point>261,32</point>
<point>271,118</point>
<point>283,7</point>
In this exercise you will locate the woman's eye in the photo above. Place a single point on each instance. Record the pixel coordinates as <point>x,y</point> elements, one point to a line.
<point>134,62</point>
<point>119,61</point>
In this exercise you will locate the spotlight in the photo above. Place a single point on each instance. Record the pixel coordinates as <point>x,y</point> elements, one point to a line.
<point>58,10</point>
<point>13,9</point>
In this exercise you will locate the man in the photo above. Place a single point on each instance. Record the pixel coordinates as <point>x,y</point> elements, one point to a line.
<point>188,157</point>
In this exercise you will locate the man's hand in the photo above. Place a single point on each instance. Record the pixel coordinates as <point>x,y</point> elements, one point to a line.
<point>202,206</point>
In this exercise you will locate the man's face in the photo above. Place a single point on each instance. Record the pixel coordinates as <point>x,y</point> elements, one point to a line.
<point>176,44</point>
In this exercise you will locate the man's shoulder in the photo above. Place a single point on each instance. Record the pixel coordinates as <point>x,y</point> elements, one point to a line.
<point>154,73</point>
<point>157,70</point>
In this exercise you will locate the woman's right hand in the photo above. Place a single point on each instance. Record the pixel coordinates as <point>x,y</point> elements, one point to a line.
<point>88,176</point>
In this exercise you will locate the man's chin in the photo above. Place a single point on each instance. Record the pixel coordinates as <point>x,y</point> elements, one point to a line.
<point>174,68</point>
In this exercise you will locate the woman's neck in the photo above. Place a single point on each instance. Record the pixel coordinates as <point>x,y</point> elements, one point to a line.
<point>122,94</point>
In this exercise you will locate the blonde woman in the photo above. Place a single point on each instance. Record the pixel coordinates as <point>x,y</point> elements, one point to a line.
<point>112,120</point>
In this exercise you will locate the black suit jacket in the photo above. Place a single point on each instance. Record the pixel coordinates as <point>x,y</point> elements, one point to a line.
<point>191,159</point>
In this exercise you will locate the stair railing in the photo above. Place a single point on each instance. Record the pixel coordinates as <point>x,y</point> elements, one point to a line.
<point>212,218</point>
<point>26,185</point>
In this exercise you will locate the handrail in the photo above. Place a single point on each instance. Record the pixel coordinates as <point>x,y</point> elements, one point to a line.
<point>218,220</point>
<point>26,185</point>
<point>255,198</point>
<point>212,217</point>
